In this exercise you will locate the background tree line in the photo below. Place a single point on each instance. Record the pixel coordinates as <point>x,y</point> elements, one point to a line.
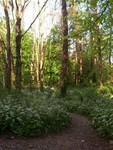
<point>78,50</point>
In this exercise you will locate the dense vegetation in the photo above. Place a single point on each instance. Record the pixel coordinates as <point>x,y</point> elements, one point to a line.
<point>94,103</point>
<point>32,113</point>
<point>44,78</point>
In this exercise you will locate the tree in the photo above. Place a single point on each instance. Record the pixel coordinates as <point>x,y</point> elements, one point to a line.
<point>27,52</point>
<point>8,46</point>
<point>64,68</point>
<point>19,9</point>
<point>52,63</point>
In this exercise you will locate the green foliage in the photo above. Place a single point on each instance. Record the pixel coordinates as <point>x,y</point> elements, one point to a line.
<point>78,101</point>
<point>102,118</point>
<point>27,46</point>
<point>52,61</point>
<point>35,113</point>
<point>106,90</point>
<point>31,114</point>
<point>98,107</point>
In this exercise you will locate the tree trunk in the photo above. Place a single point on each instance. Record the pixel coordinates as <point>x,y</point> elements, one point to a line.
<point>94,62</point>
<point>18,54</point>
<point>110,48</point>
<point>100,63</point>
<point>41,65</point>
<point>41,49</point>
<point>79,75</point>
<point>76,70</point>
<point>64,68</point>
<point>7,73</point>
<point>93,58</point>
<point>33,66</point>
<point>3,57</point>
<point>110,7</point>
<point>98,39</point>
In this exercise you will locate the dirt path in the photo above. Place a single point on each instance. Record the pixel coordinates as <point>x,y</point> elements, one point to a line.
<point>80,136</point>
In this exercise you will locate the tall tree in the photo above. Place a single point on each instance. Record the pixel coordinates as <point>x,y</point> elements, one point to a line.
<point>99,49</point>
<point>7,73</point>
<point>41,49</point>
<point>64,68</point>
<point>20,7</point>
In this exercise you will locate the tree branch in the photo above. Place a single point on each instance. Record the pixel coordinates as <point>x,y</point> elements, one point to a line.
<point>104,46</point>
<point>35,18</point>
<point>101,14</point>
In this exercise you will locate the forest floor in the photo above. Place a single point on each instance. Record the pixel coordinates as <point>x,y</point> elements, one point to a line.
<point>79,136</point>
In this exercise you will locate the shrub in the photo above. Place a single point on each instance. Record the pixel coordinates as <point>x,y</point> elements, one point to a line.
<point>94,105</point>
<point>31,114</point>
<point>102,118</point>
<point>106,90</point>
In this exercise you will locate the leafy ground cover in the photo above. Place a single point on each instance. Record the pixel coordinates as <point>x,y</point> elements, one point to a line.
<point>31,113</point>
<point>97,104</point>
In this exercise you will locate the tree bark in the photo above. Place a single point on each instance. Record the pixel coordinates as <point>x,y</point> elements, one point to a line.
<point>64,69</point>
<point>41,67</point>
<point>3,57</point>
<point>19,10</point>
<point>7,72</point>
<point>99,49</point>
<point>79,62</point>
<point>100,63</point>
<point>93,57</point>
<point>18,77</point>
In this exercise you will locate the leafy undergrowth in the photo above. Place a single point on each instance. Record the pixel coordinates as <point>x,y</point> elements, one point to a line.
<point>91,103</point>
<point>31,114</point>
<point>35,113</point>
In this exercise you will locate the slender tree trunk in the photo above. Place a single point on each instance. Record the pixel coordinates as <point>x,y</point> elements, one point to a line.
<point>38,63</point>
<point>98,39</point>
<point>18,54</point>
<point>3,59</point>
<point>79,62</point>
<point>110,47</point>
<point>94,62</point>
<point>76,70</point>
<point>110,34</point>
<point>64,68</point>
<point>77,66</point>
<point>8,51</point>
<point>41,65</point>
<point>33,65</point>
<point>100,64</point>
<point>41,50</point>
<point>93,58</point>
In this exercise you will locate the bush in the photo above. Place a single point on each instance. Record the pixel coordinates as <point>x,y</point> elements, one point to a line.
<point>102,118</point>
<point>106,90</point>
<point>31,114</point>
<point>97,107</point>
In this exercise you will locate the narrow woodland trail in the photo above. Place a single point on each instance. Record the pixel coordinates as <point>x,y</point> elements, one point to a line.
<point>80,136</point>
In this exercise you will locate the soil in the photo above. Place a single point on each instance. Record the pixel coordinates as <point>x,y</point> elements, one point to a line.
<point>79,136</point>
